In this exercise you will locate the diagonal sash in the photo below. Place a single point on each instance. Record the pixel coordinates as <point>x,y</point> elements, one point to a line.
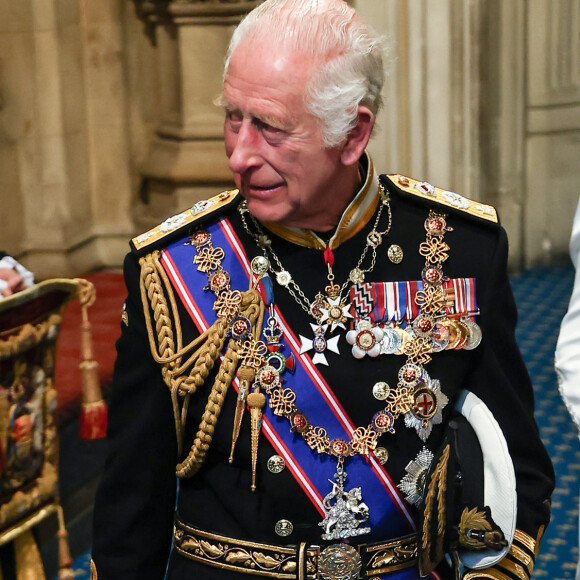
<point>389,515</point>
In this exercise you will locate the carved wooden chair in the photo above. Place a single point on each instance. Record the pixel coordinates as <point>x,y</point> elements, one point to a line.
<point>29,329</point>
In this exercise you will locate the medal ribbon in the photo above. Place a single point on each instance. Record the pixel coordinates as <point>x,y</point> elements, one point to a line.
<point>385,302</point>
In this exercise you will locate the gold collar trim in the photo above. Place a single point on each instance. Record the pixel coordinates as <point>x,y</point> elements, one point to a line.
<point>355,217</point>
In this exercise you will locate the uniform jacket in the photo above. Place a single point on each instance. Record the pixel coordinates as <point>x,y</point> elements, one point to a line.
<point>134,511</point>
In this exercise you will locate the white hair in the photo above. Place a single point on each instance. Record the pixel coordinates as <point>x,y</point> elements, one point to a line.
<point>347,53</point>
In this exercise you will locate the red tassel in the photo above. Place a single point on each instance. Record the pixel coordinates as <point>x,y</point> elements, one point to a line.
<point>93,421</point>
<point>328,256</point>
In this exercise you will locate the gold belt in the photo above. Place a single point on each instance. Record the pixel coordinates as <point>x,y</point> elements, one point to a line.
<point>302,562</point>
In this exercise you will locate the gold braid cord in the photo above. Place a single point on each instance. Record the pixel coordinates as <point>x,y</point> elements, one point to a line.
<point>435,494</point>
<point>183,377</point>
<point>518,563</point>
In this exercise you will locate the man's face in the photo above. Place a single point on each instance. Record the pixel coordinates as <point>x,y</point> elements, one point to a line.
<point>274,145</point>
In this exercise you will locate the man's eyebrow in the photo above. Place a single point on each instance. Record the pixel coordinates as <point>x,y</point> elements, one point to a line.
<point>276,122</point>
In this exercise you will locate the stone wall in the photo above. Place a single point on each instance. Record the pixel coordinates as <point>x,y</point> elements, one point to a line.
<point>107,124</point>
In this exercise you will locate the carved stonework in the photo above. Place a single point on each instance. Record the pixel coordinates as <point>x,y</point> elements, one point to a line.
<point>161,12</point>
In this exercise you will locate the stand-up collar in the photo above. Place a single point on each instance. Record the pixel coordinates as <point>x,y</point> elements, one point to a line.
<point>357,214</point>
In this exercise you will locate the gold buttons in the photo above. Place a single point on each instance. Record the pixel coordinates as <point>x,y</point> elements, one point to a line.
<point>395,253</point>
<point>381,390</point>
<point>284,528</point>
<point>381,454</point>
<point>276,464</point>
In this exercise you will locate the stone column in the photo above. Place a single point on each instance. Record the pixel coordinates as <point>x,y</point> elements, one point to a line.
<point>187,161</point>
<point>552,121</point>
<point>429,128</point>
<point>64,178</point>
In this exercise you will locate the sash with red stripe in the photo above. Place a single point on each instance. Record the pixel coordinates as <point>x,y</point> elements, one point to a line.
<point>389,515</point>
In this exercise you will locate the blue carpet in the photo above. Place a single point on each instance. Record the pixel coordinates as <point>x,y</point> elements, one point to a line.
<point>542,296</point>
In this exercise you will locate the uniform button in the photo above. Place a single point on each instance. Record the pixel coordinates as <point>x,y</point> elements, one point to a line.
<point>381,390</point>
<point>276,464</point>
<point>284,528</point>
<point>382,455</point>
<point>395,253</point>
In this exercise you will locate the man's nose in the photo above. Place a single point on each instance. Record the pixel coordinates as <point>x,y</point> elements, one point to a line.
<point>245,152</point>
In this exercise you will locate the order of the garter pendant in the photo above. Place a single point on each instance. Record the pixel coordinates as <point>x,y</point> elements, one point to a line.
<point>345,512</point>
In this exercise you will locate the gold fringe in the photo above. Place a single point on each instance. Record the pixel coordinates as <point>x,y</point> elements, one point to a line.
<point>437,485</point>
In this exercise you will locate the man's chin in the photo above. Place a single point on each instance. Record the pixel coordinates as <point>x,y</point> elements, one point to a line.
<point>267,212</point>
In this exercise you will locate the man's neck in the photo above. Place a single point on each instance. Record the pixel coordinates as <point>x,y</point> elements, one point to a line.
<point>327,219</point>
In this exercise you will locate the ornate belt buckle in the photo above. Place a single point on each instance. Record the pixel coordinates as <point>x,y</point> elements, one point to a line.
<point>339,562</point>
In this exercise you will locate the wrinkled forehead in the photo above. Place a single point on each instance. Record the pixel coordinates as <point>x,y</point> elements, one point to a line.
<point>256,62</point>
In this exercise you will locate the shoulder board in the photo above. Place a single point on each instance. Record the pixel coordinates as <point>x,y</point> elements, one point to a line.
<point>178,224</point>
<point>424,190</point>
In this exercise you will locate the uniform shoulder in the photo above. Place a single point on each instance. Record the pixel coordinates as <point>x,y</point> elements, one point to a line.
<point>175,226</point>
<point>433,196</point>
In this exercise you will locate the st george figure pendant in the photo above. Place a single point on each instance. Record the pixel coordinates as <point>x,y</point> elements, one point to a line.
<point>345,511</point>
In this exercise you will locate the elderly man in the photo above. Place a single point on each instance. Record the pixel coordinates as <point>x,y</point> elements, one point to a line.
<point>325,357</point>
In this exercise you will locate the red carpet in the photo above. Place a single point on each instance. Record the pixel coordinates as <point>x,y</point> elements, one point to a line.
<point>105,317</point>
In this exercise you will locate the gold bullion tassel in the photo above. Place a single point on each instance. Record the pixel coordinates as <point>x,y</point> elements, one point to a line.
<point>93,419</point>
<point>256,402</point>
<point>246,376</point>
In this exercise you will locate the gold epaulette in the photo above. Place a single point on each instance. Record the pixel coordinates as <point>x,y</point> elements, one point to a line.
<point>201,210</point>
<point>427,191</point>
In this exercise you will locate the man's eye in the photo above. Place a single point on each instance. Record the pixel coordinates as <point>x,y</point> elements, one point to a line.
<point>271,133</point>
<point>234,119</point>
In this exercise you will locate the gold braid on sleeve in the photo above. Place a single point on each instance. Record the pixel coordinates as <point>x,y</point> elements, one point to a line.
<point>518,563</point>
<point>183,377</point>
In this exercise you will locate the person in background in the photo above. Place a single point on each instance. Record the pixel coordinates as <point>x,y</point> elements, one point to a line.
<point>324,356</point>
<point>14,277</point>
<point>567,359</point>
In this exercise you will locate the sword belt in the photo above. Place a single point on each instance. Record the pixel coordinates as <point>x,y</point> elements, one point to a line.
<point>299,562</point>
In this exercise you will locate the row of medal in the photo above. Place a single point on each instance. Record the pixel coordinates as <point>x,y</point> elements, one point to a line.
<point>373,340</point>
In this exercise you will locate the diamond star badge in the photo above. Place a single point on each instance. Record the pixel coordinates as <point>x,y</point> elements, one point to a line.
<point>413,482</point>
<point>319,344</point>
<point>428,404</point>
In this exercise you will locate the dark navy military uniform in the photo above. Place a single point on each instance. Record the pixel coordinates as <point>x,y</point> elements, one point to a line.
<point>134,512</point>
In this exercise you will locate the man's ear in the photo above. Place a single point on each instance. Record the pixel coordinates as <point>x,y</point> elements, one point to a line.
<point>359,136</point>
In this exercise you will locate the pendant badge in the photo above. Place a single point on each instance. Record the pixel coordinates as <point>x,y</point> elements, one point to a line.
<point>345,512</point>
<point>319,344</point>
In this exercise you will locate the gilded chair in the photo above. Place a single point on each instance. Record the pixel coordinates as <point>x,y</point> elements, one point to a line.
<point>29,329</point>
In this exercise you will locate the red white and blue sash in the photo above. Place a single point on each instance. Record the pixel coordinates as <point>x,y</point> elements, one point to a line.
<point>389,515</point>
